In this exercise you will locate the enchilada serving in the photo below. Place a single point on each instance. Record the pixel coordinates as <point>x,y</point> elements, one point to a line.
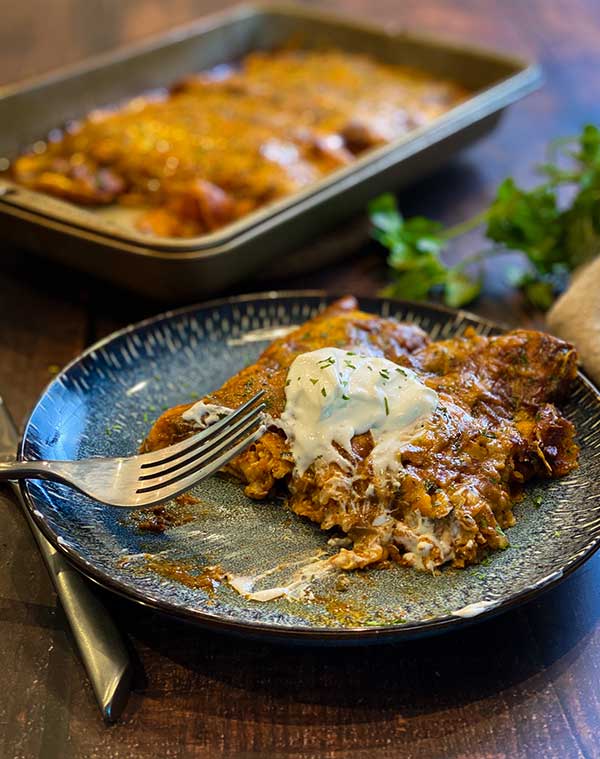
<point>415,450</point>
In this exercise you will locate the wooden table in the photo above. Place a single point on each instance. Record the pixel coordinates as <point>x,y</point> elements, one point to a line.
<point>524,685</point>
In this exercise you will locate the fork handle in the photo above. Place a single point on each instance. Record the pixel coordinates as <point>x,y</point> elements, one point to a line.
<point>37,470</point>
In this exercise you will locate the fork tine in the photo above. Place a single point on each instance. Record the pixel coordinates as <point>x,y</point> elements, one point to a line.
<point>203,452</point>
<point>165,455</point>
<point>179,485</point>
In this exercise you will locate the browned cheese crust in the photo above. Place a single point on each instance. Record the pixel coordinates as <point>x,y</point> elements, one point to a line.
<point>496,426</point>
<point>215,148</point>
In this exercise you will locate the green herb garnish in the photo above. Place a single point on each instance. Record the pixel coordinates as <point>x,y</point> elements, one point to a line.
<point>313,380</point>
<point>554,236</point>
<point>324,392</point>
<point>325,362</point>
<point>387,408</point>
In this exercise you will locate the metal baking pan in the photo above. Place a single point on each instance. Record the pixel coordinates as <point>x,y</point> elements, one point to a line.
<point>176,269</point>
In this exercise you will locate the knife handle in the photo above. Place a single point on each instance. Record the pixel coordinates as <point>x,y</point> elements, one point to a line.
<point>100,644</point>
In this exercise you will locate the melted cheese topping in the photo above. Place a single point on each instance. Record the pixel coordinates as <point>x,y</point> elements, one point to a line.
<point>225,142</point>
<point>333,394</point>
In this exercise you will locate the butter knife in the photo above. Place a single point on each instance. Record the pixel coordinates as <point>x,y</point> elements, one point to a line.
<point>98,640</point>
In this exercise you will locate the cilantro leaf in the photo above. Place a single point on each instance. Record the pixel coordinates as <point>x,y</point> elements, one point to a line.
<point>589,147</point>
<point>554,237</point>
<point>460,289</point>
<point>526,221</point>
<point>414,248</point>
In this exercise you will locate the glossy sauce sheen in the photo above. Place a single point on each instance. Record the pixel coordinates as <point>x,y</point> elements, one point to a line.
<point>223,143</point>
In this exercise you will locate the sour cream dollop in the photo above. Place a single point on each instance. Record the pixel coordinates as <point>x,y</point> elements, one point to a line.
<point>333,394</point>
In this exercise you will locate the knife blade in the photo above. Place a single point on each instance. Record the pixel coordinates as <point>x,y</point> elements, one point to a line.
<point>99,642</point>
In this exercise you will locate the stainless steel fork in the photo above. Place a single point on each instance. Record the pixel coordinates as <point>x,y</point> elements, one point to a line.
<point>150,478</point>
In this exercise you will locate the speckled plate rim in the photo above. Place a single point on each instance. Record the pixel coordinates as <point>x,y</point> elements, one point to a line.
<point>254,628</point>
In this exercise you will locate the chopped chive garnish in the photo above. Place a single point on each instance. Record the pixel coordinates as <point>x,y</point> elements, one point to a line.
<point>350,353</point>
<point>287,383</point>
<point>349,364</point>
<point>387,408</point>
<point>314,381</point>
<point>324,392</point>
<point>384,373</point>
<point>325,362</point>
<point>401,371</point>
<point>345,397</point>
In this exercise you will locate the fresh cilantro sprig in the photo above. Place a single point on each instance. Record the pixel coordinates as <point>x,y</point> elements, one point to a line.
<point>555,237</point>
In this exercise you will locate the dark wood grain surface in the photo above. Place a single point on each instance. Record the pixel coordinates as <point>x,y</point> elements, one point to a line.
<point>524,685</point>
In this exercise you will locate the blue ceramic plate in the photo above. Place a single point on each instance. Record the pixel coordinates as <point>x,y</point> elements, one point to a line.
<point>104,403</point>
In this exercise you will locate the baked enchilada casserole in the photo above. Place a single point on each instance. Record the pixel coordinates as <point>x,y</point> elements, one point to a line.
<point>225,142</point>
<point>416,450</point>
